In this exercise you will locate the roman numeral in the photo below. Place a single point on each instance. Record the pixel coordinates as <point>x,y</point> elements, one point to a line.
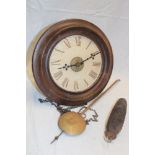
<point>56,62</point>
<point>78,41</point>
<point>92,74</point>
<point>59,50</point>
<point>76,86</point>
<point>88,45</point>
<point>86,82</point>
<point>67,43</point>
<point>65,82</point>
<point>58,75</point>
<point>96,63</point>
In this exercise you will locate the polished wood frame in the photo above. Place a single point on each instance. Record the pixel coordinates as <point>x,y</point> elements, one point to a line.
<point>42,52</point>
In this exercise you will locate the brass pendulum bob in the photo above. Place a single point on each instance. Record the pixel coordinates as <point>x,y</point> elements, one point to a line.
<point>73,123</point>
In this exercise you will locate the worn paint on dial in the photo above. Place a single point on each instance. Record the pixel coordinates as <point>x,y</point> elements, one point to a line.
<point>75,63</point>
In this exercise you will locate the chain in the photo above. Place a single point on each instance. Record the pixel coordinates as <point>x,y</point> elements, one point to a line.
<point>63,110</point>
<point>93,118</point>
<point>59,108</point>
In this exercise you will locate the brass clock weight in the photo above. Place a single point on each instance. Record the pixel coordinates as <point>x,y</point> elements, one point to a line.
<point>70,63</point>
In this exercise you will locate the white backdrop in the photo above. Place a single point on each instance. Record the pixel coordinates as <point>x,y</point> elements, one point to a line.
<point>112,17</point>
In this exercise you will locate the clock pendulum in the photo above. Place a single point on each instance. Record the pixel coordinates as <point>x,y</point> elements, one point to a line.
<point>73,123</point>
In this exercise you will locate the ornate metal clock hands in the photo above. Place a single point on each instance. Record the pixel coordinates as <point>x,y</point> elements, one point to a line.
<point>67,66</point>
<point>73,123</point>
<point>92,56</point>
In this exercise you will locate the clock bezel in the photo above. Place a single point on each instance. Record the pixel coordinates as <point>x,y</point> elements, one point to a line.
<point>42,52</point>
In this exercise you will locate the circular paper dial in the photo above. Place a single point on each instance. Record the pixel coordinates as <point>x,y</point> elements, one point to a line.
<point>75,63</point>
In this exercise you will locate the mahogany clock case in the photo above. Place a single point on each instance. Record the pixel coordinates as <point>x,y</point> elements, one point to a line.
<point>42,52</point>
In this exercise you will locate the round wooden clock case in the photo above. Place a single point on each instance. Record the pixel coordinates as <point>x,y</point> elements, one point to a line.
<point>43,50</point>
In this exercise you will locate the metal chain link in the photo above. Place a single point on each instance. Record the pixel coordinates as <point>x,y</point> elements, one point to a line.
<point>59,108</point>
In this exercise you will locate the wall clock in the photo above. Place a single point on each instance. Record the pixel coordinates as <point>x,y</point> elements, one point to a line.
<point>71,62</point>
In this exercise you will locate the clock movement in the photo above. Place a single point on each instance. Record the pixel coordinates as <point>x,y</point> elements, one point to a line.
<point>70,62</point>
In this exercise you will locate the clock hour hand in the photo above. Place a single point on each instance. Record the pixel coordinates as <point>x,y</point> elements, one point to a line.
<point>67,66</point>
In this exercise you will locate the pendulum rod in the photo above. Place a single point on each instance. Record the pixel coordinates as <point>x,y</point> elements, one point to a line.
<point>98,97</point>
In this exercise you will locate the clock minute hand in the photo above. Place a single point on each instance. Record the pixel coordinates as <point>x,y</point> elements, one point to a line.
<point>92,55</point>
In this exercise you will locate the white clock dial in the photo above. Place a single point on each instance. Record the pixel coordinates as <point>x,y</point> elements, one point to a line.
<point>75,63</point>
